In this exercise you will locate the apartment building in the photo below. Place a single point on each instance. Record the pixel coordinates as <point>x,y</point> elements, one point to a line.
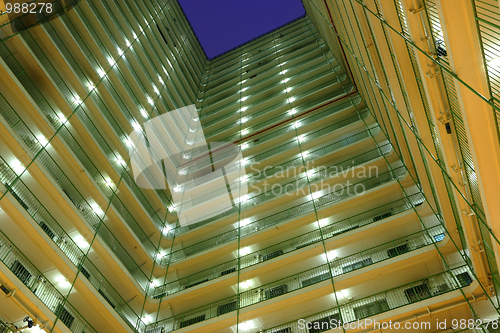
<point>359,191</point>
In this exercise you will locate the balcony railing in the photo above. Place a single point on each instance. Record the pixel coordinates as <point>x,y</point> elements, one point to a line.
<point>299,184</point>
<point>366,307</point>
<point>295,162</point>
<point>67,245</point>
<point>367,257</point>
<point>277,87</point>
<point>282,102</point>
<point>38,284</point>
<point>388,300</point>
<point>230,89</point>
<point>68,187</point>
<point>285,215</point>
<point>299,109</point>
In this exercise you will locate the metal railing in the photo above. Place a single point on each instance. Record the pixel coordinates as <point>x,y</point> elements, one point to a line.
<point>296,243</point>
<point>67,245</point>
<point>38,284</point>
<point>288,214</point>
<point>388,300</point>
<point>416,291</point>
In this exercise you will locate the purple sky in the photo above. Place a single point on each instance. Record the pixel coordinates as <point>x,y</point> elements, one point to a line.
<point>224,24</point>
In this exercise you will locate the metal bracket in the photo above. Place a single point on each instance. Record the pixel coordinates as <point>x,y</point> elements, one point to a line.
<point>442,121</point>
<point>414,11</point>
<point>468,214</point>
<point>456,169</point>
<point>431,75</point>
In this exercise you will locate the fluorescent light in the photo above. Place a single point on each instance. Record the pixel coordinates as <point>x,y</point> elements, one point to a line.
<point>167,228</point>
<point>90,86</point>
<point>243,109</point>
<point>108,182</point>
<point>183,172</point>
<point>291,99</point>
<point>137,126</point>
<point>156,90</point>
<point>246,326</point>
<point>128,142</point>
<point>304,154</point>
<point>283,72</point>
<point>244,198</point>
<point>120,52</point>
<point>310,173</point>
<point>243,99</point>
<point>62,282</point>
<point>42,140</point>
<point>331,255</point>
<point>111,61</point>
<point>244,178</point>
<point>296,124</point>
<point>245,131</point>
<point>244,145</point>
<point>62,118</point>
<point>186,156</point>
<point>81,242</point>
<point>342,293</point>
<point>323,222</point>
<point>177,188</point>
<point>171,209</point>
<point>77,100</point>
<point>18,167</point>
<point>95,207</point>
<point>150,101</point>
<point>246,284</point>
<point>288,89</point>
<point>301,137</point>
<point>244,162</point>
<point>244,251</point>
<point>120,161</point>
<point>127,43</point>
<point>245,222</point>
<point>315,195</point>
<point>101,73</point>
<point>494,62</point>
<point>285,80</point>
<point>160,79</point>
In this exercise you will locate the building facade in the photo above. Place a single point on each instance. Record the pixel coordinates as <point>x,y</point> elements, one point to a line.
<point>340,173</point>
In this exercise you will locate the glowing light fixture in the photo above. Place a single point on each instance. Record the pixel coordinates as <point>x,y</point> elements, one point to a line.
<point>18,167</point>
<point>62,118</point>
<point>43,141</point>
<point>120,161</point>
<point>244,251</point>
<point>137,126</point>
